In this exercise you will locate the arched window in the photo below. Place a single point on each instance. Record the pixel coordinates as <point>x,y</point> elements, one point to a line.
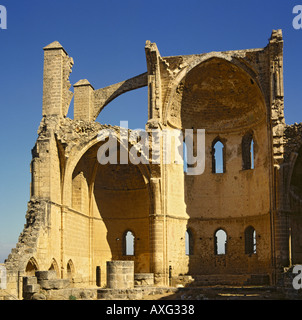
<point>220,242</point>
<point>248,151</point>
<point>70,269</point>
<point>185,163</point>
<point>31,267</point>
<point>250,240</point>
<point>189,242</point>
<point>128,243</point>
<point>54,266</point>
<point>252,154</point>
<point>218,157</point>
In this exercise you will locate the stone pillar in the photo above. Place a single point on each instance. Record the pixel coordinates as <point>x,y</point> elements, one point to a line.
<point>157,235</point>
<point>157,241</point>
<point>277,94</point>
<point>45,167</point>
<point>56,85</point>
<point>279,217</point>
<point>83,100</point>
<point>120,274</point>
<point>98,276</point>
<point>154,82</point>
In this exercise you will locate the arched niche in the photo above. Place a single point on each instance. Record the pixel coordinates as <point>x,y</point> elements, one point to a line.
<point>218,96</point>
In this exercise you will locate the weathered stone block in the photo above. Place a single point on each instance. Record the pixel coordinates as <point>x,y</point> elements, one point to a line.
<point>143,279</point>
<point>46,275</point>
<point>29,281</point>
<point>38,296</point>
<point>31,288</point>
<point>54,284</point>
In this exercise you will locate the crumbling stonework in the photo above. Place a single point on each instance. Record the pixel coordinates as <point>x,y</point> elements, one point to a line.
<point>80,211</point>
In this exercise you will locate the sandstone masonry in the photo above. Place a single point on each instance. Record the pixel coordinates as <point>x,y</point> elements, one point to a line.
<point>237,226</point>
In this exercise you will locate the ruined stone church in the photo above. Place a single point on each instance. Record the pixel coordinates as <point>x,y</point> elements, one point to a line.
<point>238,224</point>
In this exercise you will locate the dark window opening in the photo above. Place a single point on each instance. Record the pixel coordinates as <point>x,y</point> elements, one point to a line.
<point>189,242</point>
<point>185,163</point>
<point>250,240</point>
<point>248,152</point>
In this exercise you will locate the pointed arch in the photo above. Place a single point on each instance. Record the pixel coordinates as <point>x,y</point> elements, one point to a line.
<point>247,81</point>
<point>77,153</point>
<point>54,266</point>
<point>70,269</point>
<point>250,240</point>
<point>248,153</point>
<point>189,242</point>
<point>31,267</point>
<point>128,243</point>
<point>218,156</point>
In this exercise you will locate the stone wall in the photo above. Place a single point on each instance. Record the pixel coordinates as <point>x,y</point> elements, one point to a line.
<point>285,285</point>
<point>46,286</point>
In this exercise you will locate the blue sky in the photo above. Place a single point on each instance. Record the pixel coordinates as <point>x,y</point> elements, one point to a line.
<point>106,38</point>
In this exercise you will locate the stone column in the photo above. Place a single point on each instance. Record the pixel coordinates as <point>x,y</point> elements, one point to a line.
<point>154,82</point>
<point>279,218</point>
<point>157,238</point>
<point>277,94</point>
<point>83,100</point>
<point>56,85</point>
<point>120,274</point>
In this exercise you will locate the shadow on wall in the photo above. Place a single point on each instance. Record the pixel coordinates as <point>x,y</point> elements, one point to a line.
<point>120,197</point>
<point>222,242</point>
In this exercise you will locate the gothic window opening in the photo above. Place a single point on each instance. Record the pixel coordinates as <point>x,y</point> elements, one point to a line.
<point>189,242</point>
<point>189,151</point>
<point>70,269</point>
<point>220,242</point>
<point>185,163</point>
<point>252,154</point>
<point>218,157</point>
<point>128,243</point>
<point>54,266</point>
<point>248,155</point>
<point>31,267</point>
<point>250,240</point>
